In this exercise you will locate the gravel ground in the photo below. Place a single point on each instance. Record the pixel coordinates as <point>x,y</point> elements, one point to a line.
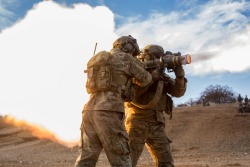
<point>214,136</point>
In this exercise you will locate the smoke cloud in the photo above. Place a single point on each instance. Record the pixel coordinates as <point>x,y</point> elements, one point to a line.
<point>42,64</point>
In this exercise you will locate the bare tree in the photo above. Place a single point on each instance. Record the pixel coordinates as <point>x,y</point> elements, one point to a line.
<point>190,102</point>
<point>218,94</point>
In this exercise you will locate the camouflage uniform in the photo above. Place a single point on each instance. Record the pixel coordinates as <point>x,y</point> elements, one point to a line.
<point>102,117</point>
<point>147,126</point>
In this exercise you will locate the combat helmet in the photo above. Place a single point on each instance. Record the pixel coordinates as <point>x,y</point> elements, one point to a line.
<point>151,52</point>
<point>128,44</point>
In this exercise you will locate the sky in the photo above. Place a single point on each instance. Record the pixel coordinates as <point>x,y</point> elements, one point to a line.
<point>45,46</point>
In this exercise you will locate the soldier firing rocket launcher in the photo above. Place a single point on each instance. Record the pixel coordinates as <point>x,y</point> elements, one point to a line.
<point>168,60</point>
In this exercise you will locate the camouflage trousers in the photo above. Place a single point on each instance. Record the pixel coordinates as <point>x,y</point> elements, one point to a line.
<point>153,135</point>
<point>103,130</point>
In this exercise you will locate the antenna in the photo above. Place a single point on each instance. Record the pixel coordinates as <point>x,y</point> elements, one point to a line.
<point>95,48</point>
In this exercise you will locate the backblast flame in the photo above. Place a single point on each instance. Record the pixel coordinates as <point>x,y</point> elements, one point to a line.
<point>37,130</point>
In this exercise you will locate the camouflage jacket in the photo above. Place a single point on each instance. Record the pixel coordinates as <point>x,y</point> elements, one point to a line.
<point>165,104</point>
<point>124,67</point>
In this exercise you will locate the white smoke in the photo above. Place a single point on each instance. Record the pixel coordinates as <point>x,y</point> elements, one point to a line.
<point>42,64</point>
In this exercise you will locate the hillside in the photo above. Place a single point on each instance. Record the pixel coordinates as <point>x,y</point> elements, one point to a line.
<point>214,136</point>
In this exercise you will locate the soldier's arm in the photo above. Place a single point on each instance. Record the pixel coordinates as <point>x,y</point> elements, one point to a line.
<point>141,77</point>
<point>176,87</point>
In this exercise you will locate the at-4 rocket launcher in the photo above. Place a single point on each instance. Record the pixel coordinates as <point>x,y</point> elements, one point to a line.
<point>168,60</point>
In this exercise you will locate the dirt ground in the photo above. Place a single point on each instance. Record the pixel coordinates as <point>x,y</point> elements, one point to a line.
<point>212,136</point>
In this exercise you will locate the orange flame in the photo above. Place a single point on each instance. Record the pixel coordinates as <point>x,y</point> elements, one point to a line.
<point>36,130</point>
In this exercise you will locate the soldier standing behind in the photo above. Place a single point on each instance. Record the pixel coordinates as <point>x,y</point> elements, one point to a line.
<point>145,121</point>
<point>240,100</point>
<point>109,83</point>
<point>246,101</point>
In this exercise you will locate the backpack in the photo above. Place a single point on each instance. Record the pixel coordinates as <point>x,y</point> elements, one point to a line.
<point>99,74</point>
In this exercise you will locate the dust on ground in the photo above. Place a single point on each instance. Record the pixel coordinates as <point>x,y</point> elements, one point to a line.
<point>211,136</point>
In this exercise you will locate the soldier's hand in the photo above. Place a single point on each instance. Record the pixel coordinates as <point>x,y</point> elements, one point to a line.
<point>179,71</point>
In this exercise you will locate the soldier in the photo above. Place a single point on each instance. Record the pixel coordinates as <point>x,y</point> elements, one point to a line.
<point>240,100</point>
<point>145,121</point>
<point>246,101</point>
<point>109,83</point>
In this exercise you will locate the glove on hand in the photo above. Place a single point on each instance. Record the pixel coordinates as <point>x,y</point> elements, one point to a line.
<point>179,71</point>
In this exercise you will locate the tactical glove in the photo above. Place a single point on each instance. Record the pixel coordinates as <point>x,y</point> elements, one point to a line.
<point>179,71</point>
